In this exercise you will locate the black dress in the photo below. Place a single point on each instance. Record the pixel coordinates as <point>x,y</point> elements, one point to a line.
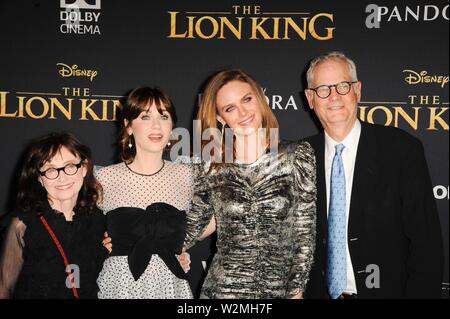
<point>32,267</point>
<point>146,220</point>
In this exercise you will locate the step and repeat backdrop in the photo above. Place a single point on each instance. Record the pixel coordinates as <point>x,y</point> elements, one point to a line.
<point>66,65</point>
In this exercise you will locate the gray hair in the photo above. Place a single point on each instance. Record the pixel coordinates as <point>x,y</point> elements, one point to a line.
<point>335,55</point>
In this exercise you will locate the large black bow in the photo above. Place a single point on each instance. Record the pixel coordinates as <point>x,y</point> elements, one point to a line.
<point>159,229</point>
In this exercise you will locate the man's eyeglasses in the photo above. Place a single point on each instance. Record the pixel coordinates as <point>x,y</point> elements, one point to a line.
<point>69,169</point>
<point>324,91</point>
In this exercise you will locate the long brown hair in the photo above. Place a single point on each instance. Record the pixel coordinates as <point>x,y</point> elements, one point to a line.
<point>207,113</point>
<point>32,196</point>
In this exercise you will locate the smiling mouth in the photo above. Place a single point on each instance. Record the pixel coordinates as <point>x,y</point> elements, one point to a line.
<point>247,121</point>
<point>64,187</point>
<point>336,108</point>
<point>156,138</point>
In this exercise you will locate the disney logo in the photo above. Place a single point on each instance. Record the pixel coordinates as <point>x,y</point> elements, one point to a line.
<point>416,78</point>
<point>74,70</point>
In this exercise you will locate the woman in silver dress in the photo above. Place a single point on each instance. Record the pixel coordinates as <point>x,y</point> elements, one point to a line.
<point>261,202</point>
<point>145,199</point>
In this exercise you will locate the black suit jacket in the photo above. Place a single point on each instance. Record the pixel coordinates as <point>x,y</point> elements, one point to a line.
<point>393,219</point>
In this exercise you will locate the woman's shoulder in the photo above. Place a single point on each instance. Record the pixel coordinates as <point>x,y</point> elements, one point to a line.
<point>182,163</point>
<point>296,148</point>
<point>196,165</point>
<point>109,168</point>
<point>300,154</point>
<point>187,160</point>
<point>180,168</point>
<point>103,171</point>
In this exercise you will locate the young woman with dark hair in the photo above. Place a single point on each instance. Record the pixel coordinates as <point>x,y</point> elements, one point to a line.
<point>145,200</point>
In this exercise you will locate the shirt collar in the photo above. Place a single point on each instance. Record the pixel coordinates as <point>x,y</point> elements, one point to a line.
<point>350,141</point>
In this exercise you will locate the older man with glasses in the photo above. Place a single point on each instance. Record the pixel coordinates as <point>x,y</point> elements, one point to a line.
<point>378,231</point>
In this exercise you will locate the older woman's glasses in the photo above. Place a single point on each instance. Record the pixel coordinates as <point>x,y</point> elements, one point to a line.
<point>324,91</point>
<point>69,169</point>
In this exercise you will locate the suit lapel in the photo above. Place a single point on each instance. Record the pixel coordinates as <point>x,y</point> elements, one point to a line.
<point>363,182</point>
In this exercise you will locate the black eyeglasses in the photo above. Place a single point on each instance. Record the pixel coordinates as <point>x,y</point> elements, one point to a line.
<point>69,169</point>
<point>324,91</point>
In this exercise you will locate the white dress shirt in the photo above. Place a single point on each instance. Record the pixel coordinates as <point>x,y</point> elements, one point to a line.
<point>348,157</point>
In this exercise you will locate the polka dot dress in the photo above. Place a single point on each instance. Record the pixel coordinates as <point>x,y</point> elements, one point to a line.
<point>124,188</point>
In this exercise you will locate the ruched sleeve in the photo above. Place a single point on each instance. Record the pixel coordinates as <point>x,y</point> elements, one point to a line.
<point>303,217</point>
<point>201,211</point>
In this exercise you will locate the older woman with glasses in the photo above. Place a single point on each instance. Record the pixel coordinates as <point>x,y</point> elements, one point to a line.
<point>53,246</point>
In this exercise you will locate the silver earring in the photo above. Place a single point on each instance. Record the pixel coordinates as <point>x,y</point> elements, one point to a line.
<point>168,144</point>
<point>130,145</point>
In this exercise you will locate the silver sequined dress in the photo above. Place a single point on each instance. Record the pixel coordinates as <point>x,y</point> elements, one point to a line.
<point>265,222</point>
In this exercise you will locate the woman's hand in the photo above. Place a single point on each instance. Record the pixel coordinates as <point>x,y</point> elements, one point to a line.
<point>107,242</point>
<point>185,260</point>
<point>297,296</point>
